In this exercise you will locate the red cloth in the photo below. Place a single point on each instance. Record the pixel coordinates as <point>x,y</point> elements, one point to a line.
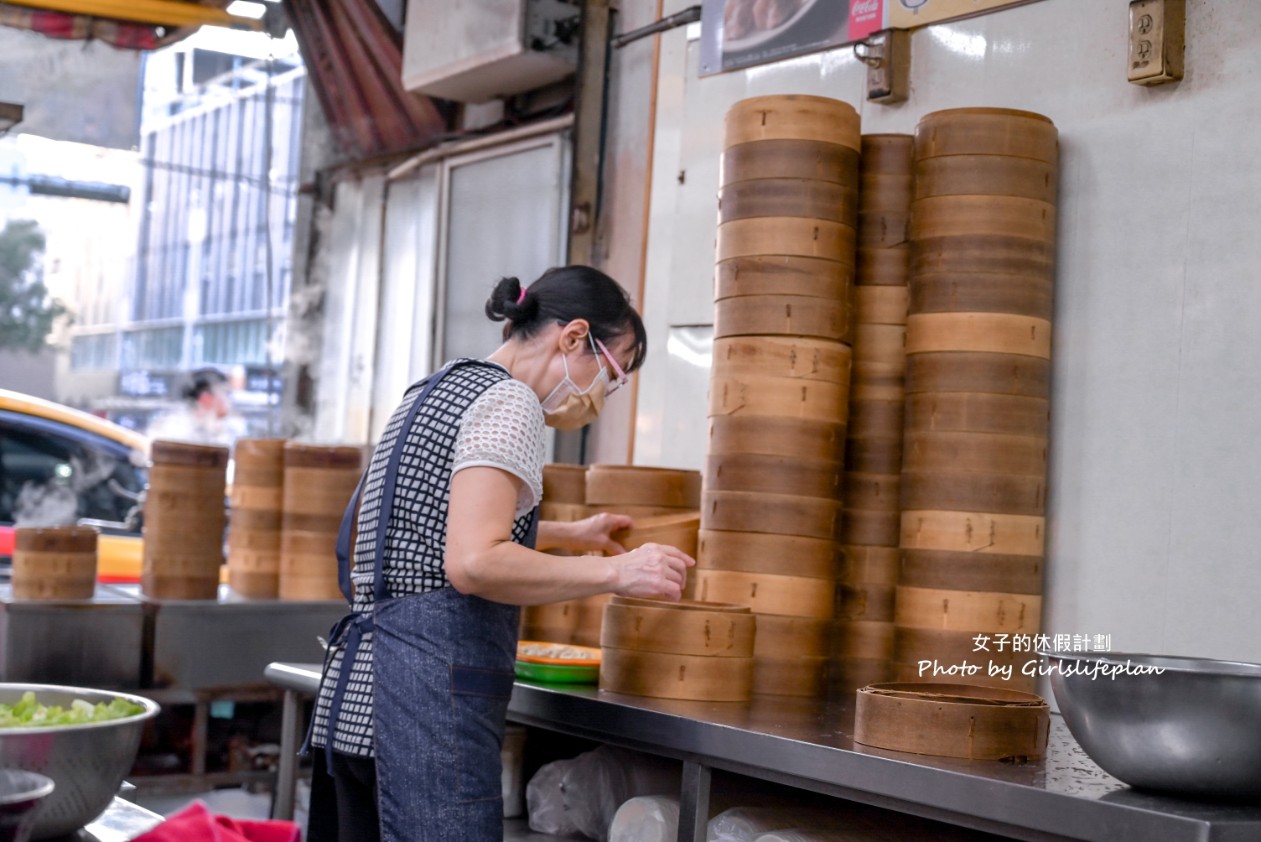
<point>195,823</point>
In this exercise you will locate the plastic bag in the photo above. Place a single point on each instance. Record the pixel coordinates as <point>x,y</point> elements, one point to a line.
<point>745,824</point>
<point>582,795</point>
<point>546,802</point>
<point>646,818</point>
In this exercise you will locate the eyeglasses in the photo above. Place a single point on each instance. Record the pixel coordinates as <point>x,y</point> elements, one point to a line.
<point>621,378</point>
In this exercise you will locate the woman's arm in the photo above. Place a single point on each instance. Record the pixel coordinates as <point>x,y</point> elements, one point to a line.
<point>481,559</point>
<point>594,533</point>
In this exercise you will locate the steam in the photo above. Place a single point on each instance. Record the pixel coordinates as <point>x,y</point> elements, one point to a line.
<point>56,502</point>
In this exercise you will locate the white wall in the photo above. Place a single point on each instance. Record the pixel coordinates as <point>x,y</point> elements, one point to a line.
<point>1156,468</point>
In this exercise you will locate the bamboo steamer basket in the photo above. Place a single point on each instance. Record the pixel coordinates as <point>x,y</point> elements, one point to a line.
<point>972,412</point>
<point>986,175</point>
<point>319,482</point>
<point>800,676</point>
<point>774,436</point>
<point>979,532</point>
<point>979,254</point>
<point>779,514</point>
<point>791,636</point>
<point>590,619</point>
<point>54,562</point>
<point>874,454</point>
<point>965,452</point>
<point>881,343</point>
<point>686,627</point>
<point>254,527</point>
<point>784,315</point>
<point>671,530</point>
<point>555,622</point>
<point>1015,295</point>
<point>790,357</point>
<point>808,400</point>
<point>871,527</point>
<point>665,675</point>
<point>883,266</point>
<point>768,593</point>
<point>887,154</point>
<point>884,229</point>
<point>875,419</point>
<point>759,552</point>
<point>774,475</point>
<point>804,159</point>
<point>971,571</point>
<point>977,371</point>
<point>786,235</point>
<point>975,492</point>
<point>880,305</point>
<point>990,333</point>
<point>807,277</point>
<point>792,117</point>
<point>865,639</point>
<point>184,521</point>
<point>866,601</point>
<point>984,216</point>
<point>986,131</point>
<point>883,192</point>
<point>779,197</point>
<point>954,610</point>
<point>871,565</point>
<point>952,720</point>
<point>564,483</point>
<point>874,492</point>
<point>633,485</point>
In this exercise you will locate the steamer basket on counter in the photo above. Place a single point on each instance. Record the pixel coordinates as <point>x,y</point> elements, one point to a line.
<point>318,483</point>
<point>57,562</point>
<point>184,521</point>
<point>254,523</point>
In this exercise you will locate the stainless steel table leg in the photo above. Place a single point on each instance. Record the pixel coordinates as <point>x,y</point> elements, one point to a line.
<point>694,802</point>
<point>287,772</point>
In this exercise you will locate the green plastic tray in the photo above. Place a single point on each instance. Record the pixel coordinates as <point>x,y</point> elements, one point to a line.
<point>557,673</point>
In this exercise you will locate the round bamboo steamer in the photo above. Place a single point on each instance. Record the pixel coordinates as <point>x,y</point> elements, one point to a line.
<point>977,611</point>
<point>792,117</point>
<point>978,371</point>
<point>184,521</point>
<point>319,482</point>
<point>887,305</point>
<point>871,528</point>
<point>54,563</point>
<point>686,627</point>
<point>974,452</point>
<point>635,485</point>
<point>970,571</point>
<point>882,266</point>
<point>777,197</point>
<point>809,400</point>
<point>986,175</point>
<point>866,564</point>
<point>880,343</point>
<point>874,454</point>
<point>590,619</point>
<point>876,419</point>
<point>1016,295</point>
<point>671,530</point>
<point>804,159</point>
<point>981,532</point>
<point>867,639</point>
<point>912,645</point>
<point>308,565</point>
<point>887,153</point>
<point>789,357</point>
<point>883,228</point>
<point>784,315</point>
<point>989,333</point>
<point>554,622</point>
<point>760,552</point>
<point>882,192</point>
<point>978,413</point>
<point>775,436</point>
<point>564,483</point>
<point>786,235</point>
<point>163,452</point>
<point>986,131</point>
<point>952,720</point>
<point>800,676</point>
<point>790,636</point>
<point>808,277</point>
<point>258,474</point>
<point>562,512</point>
<point>877,390</point>
<point>669,676</point>
<point>972,492</point>
<point>779,514</point>
<point>768,593</point>
<point>867,601</point>
<point>977,254</point>
<point>876,492</point>
<point>774,475</point>
<point>254,526</point>
<point>992,216</point>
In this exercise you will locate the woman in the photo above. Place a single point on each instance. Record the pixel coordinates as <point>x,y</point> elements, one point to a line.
<point>431,640</point>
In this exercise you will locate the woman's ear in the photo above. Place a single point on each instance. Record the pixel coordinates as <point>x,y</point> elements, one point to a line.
<point>574,335</point>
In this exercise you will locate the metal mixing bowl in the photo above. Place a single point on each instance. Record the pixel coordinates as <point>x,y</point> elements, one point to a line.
<point>20,794</point>
<point>86,762</point>
<point>1191,730</point>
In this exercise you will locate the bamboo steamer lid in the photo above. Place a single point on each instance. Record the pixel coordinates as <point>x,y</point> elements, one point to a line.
<point>874,454</point>
<point>978,254</point>
<point>776,436</point>
<point>258,474</point>
<point>885,192</point>
<point>971,571</point>
<point>977,413</point>
<point>786,235</point>
<point>780,514</point>
<point>977,611</point>
<point>974,452</point>
<point>330,457</point>
<point>990,333</point>
<point>870,565</point>
<point>978,371</point>
<point>864,639</point>
<point>973,492</point>
<point>773,474</point>
<point>792,117</point>
<point>54,563</point>
<point>880,305</point>
<point>686,627</point>
<point>796,197</point>
<point>789,357</point>
<point>809,277</point>
<point>643,486</point>
<point>790,636</point>
<point>883,266</point>
<point>876,492</point>
<point>867,601</point>
<point>784,315</point>
<point>981,532</point>
<point>992,216</point>
<point>671,530</point>
<point>987,175</point>
<point>952,720</point>
<point>800,676</point>
<point>884,228</point>
<point>669,676</point>
<point>876,419</point>
<point>564,483</point>
<point>811,400</point>
<point>880,343</point>
<point>875,528</point>
<point>986,131</point>
<point>163,452</point>
<point>1018,295</point>
<point>761,552</point>
<point>912,645</point>
<point>890,154</point>
<point>768,593</point>
<point>806,159</point>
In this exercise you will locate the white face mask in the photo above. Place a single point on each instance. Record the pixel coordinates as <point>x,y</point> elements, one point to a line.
<point>569,408</point>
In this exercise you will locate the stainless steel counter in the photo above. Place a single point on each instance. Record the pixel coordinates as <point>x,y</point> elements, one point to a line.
<point>808,744</point>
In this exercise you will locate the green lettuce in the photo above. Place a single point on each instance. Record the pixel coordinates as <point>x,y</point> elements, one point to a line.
<point>29,713</point>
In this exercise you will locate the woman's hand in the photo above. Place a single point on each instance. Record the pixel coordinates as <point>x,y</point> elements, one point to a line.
<point>596,533</point>
<point>653,571</point>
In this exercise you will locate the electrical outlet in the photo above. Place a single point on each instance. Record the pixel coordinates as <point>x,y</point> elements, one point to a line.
<point>1157,39</point>
<point>887,55</point>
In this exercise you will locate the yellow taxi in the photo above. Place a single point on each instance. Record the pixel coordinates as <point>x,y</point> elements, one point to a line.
<point>50,454</point>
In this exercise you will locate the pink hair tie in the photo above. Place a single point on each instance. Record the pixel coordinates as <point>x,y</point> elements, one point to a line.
<point>521,297</point>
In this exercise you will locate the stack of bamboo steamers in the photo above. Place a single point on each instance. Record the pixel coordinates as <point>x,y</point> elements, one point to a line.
<point>779,393</point>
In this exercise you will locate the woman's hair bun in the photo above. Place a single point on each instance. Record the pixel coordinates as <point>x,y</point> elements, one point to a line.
<point>507,301</point>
